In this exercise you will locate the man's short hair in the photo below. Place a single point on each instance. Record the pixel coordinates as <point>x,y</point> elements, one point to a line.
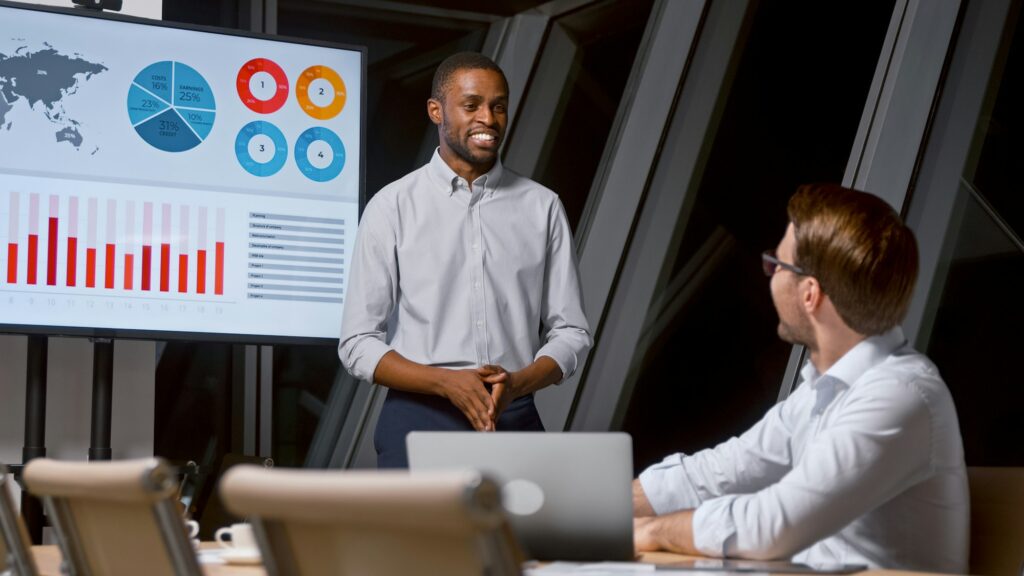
<point>460,61</point>
<point>860,251</point>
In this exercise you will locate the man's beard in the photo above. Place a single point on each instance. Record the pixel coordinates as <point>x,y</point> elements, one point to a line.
<point>799,332</point>
<point>461,149</point>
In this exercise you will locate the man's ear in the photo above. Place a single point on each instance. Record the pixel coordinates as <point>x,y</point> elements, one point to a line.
<point>811,294</point>
<point>434,111</point>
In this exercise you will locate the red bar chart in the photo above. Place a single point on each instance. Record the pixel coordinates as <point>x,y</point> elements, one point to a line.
<point>147,243</point>
<point>33,238</point>
<point>51,243</point>
<point>12,234</point>
<point>45,247</point>
<point>72,270</point>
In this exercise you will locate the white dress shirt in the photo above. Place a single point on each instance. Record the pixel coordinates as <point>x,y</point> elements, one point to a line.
<point>466,278</point>
<point>862,464</point>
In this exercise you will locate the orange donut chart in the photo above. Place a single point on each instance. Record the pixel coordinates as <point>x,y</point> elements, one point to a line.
<point>302,92</point>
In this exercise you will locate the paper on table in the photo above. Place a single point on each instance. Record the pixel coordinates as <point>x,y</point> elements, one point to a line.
<point>604,569</point>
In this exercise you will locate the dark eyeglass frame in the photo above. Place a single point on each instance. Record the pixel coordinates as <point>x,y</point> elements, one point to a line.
<point>771,265</point>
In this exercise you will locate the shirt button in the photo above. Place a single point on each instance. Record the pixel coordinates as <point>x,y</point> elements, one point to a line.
<point>479,322</point>
<point>476,247</point>
<point>476,285</point>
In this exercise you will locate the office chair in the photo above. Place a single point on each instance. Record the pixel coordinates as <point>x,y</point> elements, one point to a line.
<point>370,523</point>
<point>997,521</point>
<point>114,518</point>
<point>15,548</point>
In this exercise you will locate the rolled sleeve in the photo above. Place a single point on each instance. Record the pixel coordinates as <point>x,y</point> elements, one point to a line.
<point>714,529</point>
<point>667,487</point>
<point>361,355</point>
<point>563,353</point>
<point>568,334</point>
<point>370,297</point>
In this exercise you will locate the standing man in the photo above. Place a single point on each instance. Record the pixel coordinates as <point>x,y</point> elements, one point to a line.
<point>464,297</point>
<point>864,463</point>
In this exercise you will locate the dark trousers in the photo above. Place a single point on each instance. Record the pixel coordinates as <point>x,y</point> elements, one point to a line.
<point>404,412</point>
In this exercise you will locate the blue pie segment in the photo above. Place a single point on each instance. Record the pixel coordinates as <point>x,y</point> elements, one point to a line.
<point>169,132</point>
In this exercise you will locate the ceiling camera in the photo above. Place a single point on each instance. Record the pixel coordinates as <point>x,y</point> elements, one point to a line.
<point>114,5</point>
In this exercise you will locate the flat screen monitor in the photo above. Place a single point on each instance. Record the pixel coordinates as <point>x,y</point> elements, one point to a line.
<point>162,181</point>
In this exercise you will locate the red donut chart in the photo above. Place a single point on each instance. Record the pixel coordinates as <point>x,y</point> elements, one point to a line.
<point>280,95</point>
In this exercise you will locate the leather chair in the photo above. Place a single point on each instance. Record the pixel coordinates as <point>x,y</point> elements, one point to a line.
<point>374,523</point>
<point>115,518</point>
<point>997,521</point>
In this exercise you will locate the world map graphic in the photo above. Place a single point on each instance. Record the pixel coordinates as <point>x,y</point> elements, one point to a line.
<point>39,81</point>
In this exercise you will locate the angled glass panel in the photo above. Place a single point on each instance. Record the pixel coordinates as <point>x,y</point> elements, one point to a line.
<point>975,339</point>
<point>710,363</point>
<point>605,39</point>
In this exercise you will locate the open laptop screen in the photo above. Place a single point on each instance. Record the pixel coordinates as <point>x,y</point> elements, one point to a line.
<point>568,495</point>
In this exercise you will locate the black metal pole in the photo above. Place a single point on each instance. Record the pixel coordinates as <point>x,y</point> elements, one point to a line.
<point>35,430</point>
<point>102,393</point>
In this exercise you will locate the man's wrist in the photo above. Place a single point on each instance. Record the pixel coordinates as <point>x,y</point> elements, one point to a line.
<point>438,380</point>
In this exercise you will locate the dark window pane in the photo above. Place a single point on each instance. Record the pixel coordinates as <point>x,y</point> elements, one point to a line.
<point>996,176</point>
<point>790,118</point>
<point>976,336</point>
<point>976,339</point>
<point>303,376</point>
<point>606,38</point>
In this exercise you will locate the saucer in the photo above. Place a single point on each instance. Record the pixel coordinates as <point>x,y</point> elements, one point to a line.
<point>242,557</point>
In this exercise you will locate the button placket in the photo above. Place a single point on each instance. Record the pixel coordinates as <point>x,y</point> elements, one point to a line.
<point>480,331</point>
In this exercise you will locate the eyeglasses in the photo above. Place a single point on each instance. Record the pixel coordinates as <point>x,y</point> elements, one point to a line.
<point>772,264</point>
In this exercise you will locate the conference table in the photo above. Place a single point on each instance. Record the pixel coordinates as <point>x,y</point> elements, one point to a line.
<point>48,561</point>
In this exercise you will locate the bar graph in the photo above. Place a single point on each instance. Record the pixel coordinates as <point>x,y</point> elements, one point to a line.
<point>45,249</point>
<point>33,238</point>
<point>12,234</point>
<point>72,251</point>
<point>51,243</point>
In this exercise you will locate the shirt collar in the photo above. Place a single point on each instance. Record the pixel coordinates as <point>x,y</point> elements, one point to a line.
<point>859,359</point>
<point>448,180</point>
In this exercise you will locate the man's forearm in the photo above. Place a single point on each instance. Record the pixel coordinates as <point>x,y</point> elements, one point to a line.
<point>398,372</point>
<point>541,373</point>
<point>671,532</point>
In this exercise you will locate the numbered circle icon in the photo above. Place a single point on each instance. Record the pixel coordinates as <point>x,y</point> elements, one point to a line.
<point>262,85</point>
<point>261,148</point>
<point>320,154</point>
<point>321,92</point>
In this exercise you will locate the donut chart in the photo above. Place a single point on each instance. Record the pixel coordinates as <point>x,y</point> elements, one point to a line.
<point>319,154</point>
<point>171,106</point>
<point>321,92</point>
<point>262,86</point>
<point>261,148</point>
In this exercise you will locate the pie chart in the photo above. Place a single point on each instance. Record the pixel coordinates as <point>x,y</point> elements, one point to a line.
<point>171,106</point>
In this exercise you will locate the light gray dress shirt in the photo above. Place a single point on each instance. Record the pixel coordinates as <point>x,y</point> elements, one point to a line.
<point>862,464</point>
<point>466,278</point>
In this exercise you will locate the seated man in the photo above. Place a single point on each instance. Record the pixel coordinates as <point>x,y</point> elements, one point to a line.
<point>864,463</point>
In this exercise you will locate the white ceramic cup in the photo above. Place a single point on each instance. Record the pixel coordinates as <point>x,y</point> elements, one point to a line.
<point>241,537</point>
<point>193,528</point>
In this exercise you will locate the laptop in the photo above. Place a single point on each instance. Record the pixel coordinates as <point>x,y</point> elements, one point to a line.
<point>568,495</point>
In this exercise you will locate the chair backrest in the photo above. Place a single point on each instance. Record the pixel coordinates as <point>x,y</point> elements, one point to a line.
<point>374,523</point>
<point>15,548</point>
<point>997,520</point>
<point>114,517</point>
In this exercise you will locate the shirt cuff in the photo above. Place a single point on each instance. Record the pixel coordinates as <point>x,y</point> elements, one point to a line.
<point>714,530</point>
<point>667,487</point>
<point>562,354</point>
<point>366,358</point>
